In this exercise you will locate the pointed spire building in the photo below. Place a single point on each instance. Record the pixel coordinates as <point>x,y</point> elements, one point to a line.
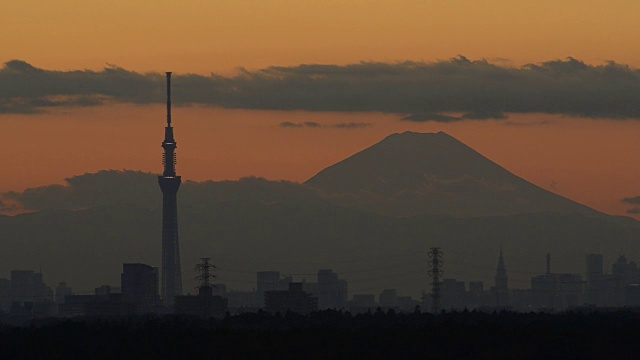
<point>502,286</point>
<point>501,275</point>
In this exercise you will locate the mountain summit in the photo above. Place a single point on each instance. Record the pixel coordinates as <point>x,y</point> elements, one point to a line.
<point>413,173</point>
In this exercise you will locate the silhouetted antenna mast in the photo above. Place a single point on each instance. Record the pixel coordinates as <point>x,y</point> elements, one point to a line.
<point>205,272</point>
<point>169,98</point>
<point>435,271</point>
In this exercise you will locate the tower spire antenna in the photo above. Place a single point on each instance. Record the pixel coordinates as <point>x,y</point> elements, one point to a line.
<point>169,98</point>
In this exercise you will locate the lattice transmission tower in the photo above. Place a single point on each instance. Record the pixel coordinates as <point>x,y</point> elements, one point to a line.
<point>436,272</point>
<point>205,275</point>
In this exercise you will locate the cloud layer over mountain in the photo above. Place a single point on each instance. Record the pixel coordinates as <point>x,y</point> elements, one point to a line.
<point>112,187</point>
<point>419,91</point>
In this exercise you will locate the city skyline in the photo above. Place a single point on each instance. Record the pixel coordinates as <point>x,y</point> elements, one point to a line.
<point>26,292</point>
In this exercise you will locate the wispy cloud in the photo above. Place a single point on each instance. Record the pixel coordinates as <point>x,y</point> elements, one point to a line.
<point>419,91</point>
<point>635,200</point>
<point>351,125</point>
<point>316,125</point>
<point>526,124</point>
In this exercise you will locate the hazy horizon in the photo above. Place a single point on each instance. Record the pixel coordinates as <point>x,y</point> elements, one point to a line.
<point>588,161</point>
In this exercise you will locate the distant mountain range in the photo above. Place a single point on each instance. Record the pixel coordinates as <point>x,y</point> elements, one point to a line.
<point>371,217</point>
<point>411,174</point>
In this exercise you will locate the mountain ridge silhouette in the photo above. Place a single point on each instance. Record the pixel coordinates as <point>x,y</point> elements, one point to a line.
<point>433,173</point>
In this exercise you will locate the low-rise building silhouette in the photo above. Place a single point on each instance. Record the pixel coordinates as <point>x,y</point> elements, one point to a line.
<point>104,304</point>
<point>294,299</point>
<point>362,303</point>
<point>388,299</point>
<point>5,295</point>
<point>204,305</point>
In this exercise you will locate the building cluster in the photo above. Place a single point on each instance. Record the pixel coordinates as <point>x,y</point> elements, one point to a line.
<point>26,296</point>
<point>550,291</point>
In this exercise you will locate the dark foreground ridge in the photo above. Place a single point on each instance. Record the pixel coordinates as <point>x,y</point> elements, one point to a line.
<point>333,335</point>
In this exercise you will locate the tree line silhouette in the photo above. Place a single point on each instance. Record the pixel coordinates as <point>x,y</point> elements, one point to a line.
<point>332,334</point>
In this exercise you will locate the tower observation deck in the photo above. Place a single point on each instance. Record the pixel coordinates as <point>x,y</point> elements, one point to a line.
<point>169,184</point>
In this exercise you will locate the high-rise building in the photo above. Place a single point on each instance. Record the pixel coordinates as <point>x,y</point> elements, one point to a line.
<point>62,290</point>
<point>332,291</point>
<point>270,281</point>
<point>453,294</point>
<point>169,184</point>
<point>595,293</point>
<point>30,295</point>
<point>139,284</point>
<point>595,268</point>
<point>28,286</point>
<point>555,291</point>
<point>624,273</point>
<point>502,283</point>
<point>501,274</point>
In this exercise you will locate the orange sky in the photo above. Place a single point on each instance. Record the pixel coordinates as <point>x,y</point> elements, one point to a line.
<point>593,162</point>
<point>201,36</point>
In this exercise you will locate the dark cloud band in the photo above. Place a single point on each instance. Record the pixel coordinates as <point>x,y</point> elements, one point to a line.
<point>632,200</point>
<point>311,124</point>
<point>419,91</point>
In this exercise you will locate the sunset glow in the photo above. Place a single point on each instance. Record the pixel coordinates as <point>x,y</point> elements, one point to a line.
<point>594,162</point>
<point>589,161</point>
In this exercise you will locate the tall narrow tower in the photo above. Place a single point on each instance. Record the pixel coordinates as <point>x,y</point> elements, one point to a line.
<point>502,286</point>
<point>501,274</point>
<point>169,184</point>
